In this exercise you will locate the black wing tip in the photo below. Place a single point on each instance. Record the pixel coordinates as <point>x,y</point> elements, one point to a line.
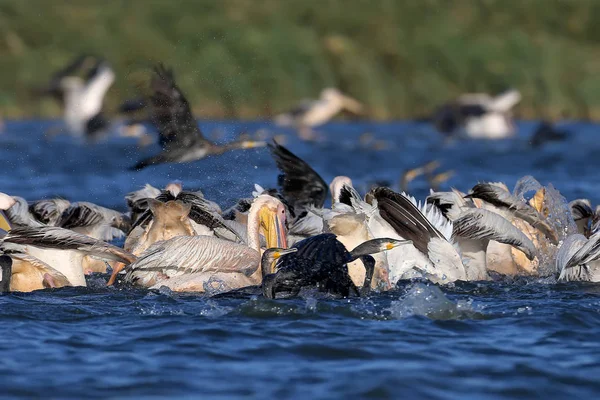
<point>161,70</point>
<point>277,150</point>
<point>346,195</point>
<point>163,79</point>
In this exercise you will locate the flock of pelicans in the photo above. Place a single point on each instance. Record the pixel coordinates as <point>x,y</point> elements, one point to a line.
<point>80,88</point>
<point>280,241</point>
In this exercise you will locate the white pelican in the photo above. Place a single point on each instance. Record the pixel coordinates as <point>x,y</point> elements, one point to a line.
<point>61,249</point>
<point>479,116</point>
<point>336,185</point>
<point>87,218</point>
<point>432,253</point>
<point>169,219</point>
<point>94,221</point>
<point>48,211</point>
<point>83,66</point>
<point>196,263</point>
<point>19,215</point>
<point>583,214</point>
<point>179,135</point>
<point>310,114</point>
<point>83,101</point>
<point>189,213</point>
<point>475,229</point>
<point>545,219</point>
<point>27,273</point>
<point>6,201</point>
<point>578,259</point>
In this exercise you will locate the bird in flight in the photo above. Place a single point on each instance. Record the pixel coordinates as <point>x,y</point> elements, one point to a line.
<point>179,135</point>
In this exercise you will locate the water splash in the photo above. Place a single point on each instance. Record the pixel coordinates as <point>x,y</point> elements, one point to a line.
<point>215,286</point>
<point>429,301</point>
<point>558,215</point>
<point>525,185</point>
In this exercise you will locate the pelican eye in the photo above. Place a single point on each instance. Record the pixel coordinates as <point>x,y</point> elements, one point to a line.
<point>276,255</point>
<point>389,246</point>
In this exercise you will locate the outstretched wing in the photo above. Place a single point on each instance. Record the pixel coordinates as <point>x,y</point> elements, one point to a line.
<point>50,237</point>
<point>478,224</point>
<point>84,62</point>
<point>406,218</point>
<point>171,112</point>
<point>299,183</point>
<point>501,198</point>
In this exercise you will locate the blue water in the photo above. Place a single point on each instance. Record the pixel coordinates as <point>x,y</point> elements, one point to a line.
<point>525,339</point>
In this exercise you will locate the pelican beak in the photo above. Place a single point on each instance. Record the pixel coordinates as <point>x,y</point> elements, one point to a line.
<point>273,226</point>
<point>4,223</point>
<point>478,203</point>
<point>537,202</point>
<point>412,174</point>
<point>251,144</point>
<point>431,166</point>
<point>352,105</point>
<point>118,267</point>
<point>122,222</point>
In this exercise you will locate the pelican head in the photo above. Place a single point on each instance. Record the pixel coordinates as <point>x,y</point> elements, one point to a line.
<point>336,185</point>
<point>538,202</point>
<point>169,213</point>
<point>270,257</point>
<point>174,187</point>
<point>121,222</point>
<point>6,201</point>
<point>270,216</point>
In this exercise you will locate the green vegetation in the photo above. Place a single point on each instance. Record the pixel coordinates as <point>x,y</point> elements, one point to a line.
<point>254,58</point>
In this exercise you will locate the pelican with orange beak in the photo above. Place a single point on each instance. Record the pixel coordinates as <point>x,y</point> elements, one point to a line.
<point>198,263</point>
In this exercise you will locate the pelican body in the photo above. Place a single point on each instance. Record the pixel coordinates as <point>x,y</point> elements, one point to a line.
<point>479,116</point>
<point>210,264</point>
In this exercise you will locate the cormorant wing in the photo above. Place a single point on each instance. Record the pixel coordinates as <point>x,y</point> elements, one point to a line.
<point>299,183</point>
<point>172,153</point>
<point>171,113</point>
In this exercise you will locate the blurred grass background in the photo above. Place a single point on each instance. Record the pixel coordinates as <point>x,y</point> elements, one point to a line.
<point>254,58</point>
